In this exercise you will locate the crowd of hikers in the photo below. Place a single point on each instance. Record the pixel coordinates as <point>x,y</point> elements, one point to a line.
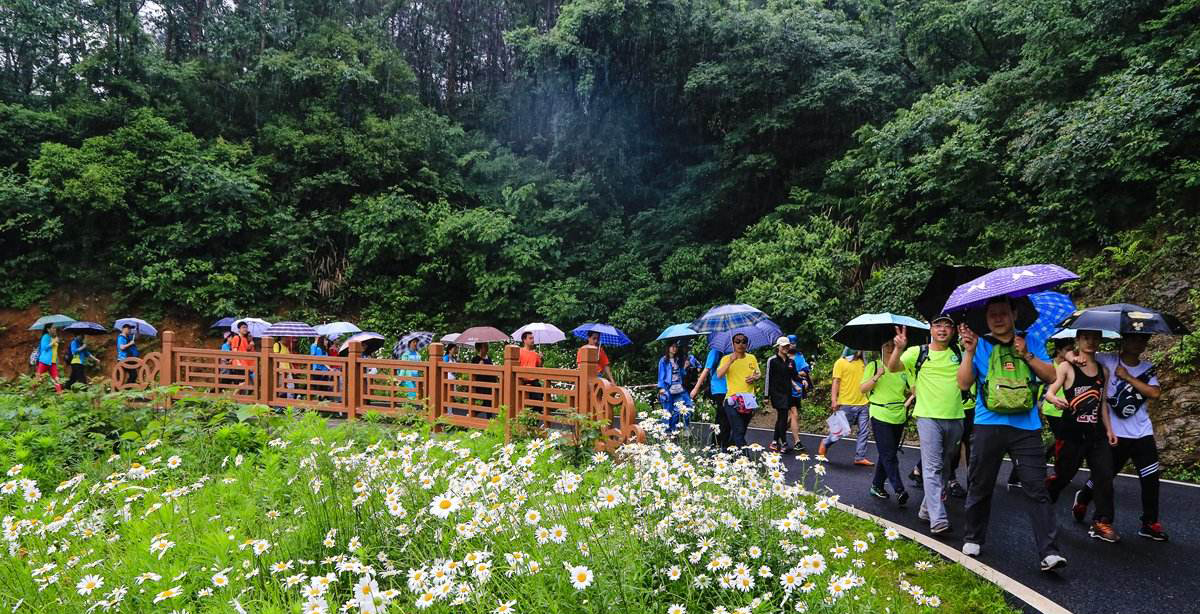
<point>969,396</point>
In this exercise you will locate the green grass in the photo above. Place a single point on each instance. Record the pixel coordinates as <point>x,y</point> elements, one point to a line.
<point>676,510</point>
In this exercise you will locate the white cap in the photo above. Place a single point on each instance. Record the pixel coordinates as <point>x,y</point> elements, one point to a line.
<point>782,341</point>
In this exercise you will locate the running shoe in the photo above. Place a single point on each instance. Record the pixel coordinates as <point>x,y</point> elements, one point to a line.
<point>970,549</point>
<point>1050,563</point>
<point>1152,530</point>
<point>902,498</point>
<point>956,490</point>
<point>862,462</point>
<point>1104,532</point>
<point>774,447</point>
<point>878,494</point>
<point>940,528</point>
<point>1078,507</point>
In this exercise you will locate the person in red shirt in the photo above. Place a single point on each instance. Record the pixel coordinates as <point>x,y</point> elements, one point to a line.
<point>602,370</point>
<point>529,357</point>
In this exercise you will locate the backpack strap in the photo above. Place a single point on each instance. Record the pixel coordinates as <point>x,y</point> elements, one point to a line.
<point>922,356</point>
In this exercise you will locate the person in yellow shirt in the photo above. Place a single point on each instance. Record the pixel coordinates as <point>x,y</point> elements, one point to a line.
<point>740,370</point>
<point>849,398</point>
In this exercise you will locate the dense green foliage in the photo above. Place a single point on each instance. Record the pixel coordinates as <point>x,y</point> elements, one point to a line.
<point>465,162</point>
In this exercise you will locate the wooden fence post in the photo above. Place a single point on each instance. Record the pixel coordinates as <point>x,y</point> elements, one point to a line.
<point>266,372</point>
<point>166,369</point>
<point>587,375</point>
<point>352,379</point>
<point>508,388</point>
<point>433,384</point>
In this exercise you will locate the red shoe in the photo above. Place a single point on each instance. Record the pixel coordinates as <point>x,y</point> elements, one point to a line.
<point>1152,531</point>
<point>1079,508</point>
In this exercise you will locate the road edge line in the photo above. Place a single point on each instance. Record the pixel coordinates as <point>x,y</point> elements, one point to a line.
<point>1006,583</point>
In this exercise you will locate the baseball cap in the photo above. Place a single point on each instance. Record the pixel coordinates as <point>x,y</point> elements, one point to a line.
<point>782,341</point>
<point>792,339</point>
<point>942,316</point>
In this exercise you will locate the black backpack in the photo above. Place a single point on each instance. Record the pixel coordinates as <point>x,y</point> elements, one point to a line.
<point>923,355</point>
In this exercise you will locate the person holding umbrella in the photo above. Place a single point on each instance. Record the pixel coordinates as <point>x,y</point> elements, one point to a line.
<point>529,357</point>
<point>849,398</point>
<point>78,354</point>
<point>48,357</point>
<point>127,348</point>
<point>602,364</point>
<point>671,393</point>
<point>242,342</point>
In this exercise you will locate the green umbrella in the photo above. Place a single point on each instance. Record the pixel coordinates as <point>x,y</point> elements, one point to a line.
<point>57,319</point>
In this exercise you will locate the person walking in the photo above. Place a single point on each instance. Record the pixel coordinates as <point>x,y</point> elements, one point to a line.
<point>78,355</point>
<point>410,354</point>
<point>481,357</point>
<point>779,386</point>
<point>716,393</point>
<point>888,396</point>
<point>602,363</point>
<point>848,398</point>
<point>1130,384</point>
<point>529,358</point>
<point>1005,370</point>
<point>1063,349</point>
<point>671,393</point>
<point>127,348</point>
<point>244,367</point>
<point>740,370</point>
<point>47,361</point>
<point>801,385</point>
<point>283,379</point>
<point>1085,432</point>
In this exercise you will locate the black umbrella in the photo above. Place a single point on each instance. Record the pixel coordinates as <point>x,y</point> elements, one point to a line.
<point>942,282</point>
<point>85,328</point>
<point>1124,318</point>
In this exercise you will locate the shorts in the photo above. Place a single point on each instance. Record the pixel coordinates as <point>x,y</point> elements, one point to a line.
<point>45,368</point>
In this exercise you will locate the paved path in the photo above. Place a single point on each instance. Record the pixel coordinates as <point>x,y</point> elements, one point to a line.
<point>1133,576</point>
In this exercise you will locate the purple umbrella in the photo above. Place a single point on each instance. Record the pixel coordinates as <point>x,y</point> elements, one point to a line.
<point>760,334</point>
<point>1016,281</point>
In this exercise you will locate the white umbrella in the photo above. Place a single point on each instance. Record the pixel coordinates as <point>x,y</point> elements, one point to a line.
<point>542,333</point>
<point>337,329</point>
<point>140,327</point>
<point>1069,333</point>
<point>257,326</point>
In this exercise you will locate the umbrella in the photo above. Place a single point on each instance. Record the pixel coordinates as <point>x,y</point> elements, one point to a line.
<point>870,331</point>
<point>370,342</point>
<point>482,334</point>
<point>223,323</point>
<point>677,331</point>
<point>1016,281</point>
<point>1069,333</point>
<point>423,339</point>
<point>609,335</point>
<point>1037,314</point>
<point>85,328</point>
<point>542,333</point>
<point>942,282</point>
<point>290,329</point>
<point>450,338</point>
<point>1126,318</point>
<point>257,326</point>
<point>140,326</point>
<point>336,329</point>
<point>759,334</point>
<point>727,317</point>
<point>57,319</point>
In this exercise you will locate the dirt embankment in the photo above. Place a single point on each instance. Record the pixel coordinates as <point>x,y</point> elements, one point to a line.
<point>16,341</point>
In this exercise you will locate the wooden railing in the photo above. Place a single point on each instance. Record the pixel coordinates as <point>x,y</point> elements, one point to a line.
<point>445,393</point>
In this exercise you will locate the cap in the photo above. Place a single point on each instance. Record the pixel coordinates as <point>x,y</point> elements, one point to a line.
<point>782,341</point>
<point>792,339</point>
<point>942,316</point>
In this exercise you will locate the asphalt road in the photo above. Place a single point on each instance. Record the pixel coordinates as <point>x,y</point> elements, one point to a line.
<point>1132,576</point>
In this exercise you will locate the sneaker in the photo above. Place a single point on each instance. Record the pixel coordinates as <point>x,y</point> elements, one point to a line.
<point>956,490</point>
<point>1152,530</point>
<point>799,449</point>
<point>970,549</point>
<point>1104,532</point>
<point>902,498</point>
<point>878,494</point>
<point>944,527</point>
<point>1078,507</point>
<point>774,447</point>
<point>1050,563</point>
<point>862,462</point>
<point>923,513</point>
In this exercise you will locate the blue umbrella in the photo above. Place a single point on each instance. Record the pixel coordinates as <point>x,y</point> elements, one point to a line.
<point>870,331</point>
<point>727,317</point>
<point>85,328</point>
<point>1016,281</point>
<point>224,323</point>
<point>677,331</point>
<point>140,326</point>
<point>57,319</point>
<point>760,334</point>
<point>1051,307</point>
<point>609,335</point>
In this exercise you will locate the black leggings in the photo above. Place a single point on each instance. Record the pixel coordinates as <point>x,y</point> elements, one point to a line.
<point>781,421</point>
<point>1144,453</point>
<point>1069,456</point>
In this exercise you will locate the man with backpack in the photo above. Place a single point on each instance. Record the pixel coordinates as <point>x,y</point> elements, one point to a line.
<point>1131,382</point>
<point>939,410</point>
<point>1005,371</point>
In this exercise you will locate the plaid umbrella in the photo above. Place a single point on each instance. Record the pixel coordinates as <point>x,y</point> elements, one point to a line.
<point>727,317</point>
<point>57,319</point>
<point>761,334</point>
<point>290,329</point>
<point>1051,307</point>
<point>609,335</point>
<point>423,339</point>
<point>140,326</point>
<point>542,333</point>
<point>85,328</point>
<point>482,334</point>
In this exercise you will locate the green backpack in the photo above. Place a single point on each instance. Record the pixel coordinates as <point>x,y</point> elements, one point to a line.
<point>1010,383</point>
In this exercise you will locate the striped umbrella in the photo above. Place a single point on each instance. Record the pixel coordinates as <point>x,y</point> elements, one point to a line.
<point>57,319</point>
<point>609,334</point>
<point>542,333</point>
<point>728,317</point>
<point>290,329</point>
<point>140,326</point>
<point>761,334</point>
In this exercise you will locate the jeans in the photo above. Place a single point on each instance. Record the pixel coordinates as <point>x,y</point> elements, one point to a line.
<point>939,445</point>
<point>987,452</point>
<point>738,423</point>
<point>668,402</point>
<point>887,443</point>
<point>856,414</point>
